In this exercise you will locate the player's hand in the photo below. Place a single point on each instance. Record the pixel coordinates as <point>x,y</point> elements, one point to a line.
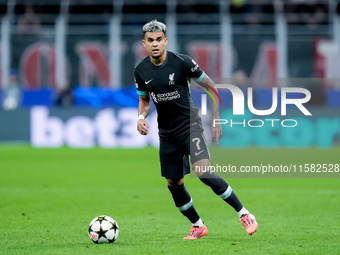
<point>142,127</point>
<point>216,132</point>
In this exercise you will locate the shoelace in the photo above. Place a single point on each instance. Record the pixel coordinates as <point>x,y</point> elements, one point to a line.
<point>245,222</point>
<point>192,232</point>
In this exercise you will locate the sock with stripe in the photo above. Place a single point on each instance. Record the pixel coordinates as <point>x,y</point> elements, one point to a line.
<point>222,189</point>
<point>183,202</point>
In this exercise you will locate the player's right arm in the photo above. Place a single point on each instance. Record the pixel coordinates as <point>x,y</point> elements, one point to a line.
<point>143,106</point>
<point>143,112</point>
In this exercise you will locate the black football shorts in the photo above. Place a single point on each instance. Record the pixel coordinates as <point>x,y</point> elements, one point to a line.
<point>174,154</point>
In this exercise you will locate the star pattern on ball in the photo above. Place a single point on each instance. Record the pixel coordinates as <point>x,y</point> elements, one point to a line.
<point>114,226</point>
<point>106,230</point>
<point>101,233</point>
<point>100,219</point>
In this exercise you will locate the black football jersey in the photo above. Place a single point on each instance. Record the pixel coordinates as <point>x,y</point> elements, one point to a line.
<point>169,86</point>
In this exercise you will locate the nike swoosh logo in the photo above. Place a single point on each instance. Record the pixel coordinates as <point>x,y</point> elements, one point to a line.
<point>148,81</point>
<point>198,153</point>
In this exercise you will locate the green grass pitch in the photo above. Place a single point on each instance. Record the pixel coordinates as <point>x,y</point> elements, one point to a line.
<point>49,196</point>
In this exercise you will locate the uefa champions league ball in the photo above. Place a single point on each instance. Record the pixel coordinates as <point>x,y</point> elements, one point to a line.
<point>103,229</point>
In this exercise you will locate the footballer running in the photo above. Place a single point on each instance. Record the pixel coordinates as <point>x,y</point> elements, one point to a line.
<point>165,76</point>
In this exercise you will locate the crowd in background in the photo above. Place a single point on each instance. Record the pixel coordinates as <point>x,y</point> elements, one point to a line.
<point>30,16</point>
<point>308,12</point>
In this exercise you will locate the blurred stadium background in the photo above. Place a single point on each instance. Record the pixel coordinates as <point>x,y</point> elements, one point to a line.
<point>67,65</point>
<point>66,75</point>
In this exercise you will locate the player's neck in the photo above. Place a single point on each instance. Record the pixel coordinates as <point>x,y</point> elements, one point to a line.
<point>160,60</point>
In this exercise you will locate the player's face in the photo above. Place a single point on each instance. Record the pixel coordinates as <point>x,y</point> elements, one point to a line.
<point>155,43</point>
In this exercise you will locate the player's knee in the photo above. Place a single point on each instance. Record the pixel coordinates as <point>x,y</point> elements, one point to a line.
<point>215,182</point>
<point>180,195</point>
<point>175,182</point>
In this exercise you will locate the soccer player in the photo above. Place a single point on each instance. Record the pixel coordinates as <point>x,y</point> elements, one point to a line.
<point>165,76</point>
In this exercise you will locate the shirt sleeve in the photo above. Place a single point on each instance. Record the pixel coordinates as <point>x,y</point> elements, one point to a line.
<point>140,86</point>
<point>192,69</point>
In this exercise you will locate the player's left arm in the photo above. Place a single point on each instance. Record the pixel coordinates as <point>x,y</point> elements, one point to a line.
<point>216,129</point>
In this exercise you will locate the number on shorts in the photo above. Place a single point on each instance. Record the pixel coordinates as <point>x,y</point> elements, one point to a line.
<point>197,141</point>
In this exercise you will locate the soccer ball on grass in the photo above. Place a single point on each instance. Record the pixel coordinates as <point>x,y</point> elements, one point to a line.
<point>103,229</point>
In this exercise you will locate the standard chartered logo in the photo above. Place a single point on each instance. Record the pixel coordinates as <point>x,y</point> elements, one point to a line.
<point>165,96</point>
